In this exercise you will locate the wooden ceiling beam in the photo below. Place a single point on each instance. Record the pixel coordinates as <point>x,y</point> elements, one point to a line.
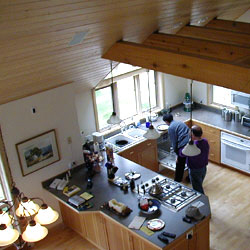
<point>215,35</point>
<point>198,47</point>
<point>180,64</point>
<point>233,26</point>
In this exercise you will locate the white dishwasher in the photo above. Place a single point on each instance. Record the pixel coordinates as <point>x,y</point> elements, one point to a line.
<point>235,151</point>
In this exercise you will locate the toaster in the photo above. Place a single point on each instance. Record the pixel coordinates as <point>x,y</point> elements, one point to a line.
<point>245,121</point>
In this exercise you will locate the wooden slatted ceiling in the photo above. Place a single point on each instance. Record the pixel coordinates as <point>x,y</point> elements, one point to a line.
<point>34,37</point>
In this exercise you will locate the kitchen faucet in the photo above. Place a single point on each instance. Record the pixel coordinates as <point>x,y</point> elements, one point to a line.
<point>123,126</point>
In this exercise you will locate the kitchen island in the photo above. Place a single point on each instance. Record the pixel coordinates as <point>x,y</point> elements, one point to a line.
<point>109,231</point>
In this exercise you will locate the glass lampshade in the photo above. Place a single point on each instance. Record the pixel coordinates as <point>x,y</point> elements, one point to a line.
<point>27,208</point>
<point>46,215</point>
<point>114,119</point>
<point>191,149</point>
<point>34,232</point>
<point>8,235</point>
<point>151,133</point>
<point>5,218</point>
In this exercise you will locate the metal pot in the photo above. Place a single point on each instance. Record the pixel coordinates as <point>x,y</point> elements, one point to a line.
<point>237,116</point>
<point>156,189</point>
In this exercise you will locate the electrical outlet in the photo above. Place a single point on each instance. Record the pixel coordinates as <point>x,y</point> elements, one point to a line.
<point>189,234</point>
<point>69,139</point>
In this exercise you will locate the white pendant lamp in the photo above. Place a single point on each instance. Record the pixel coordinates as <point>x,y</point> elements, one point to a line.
<point>34,232</point>
<point>46,215</point>
<point>5,218</point>
<point>8,235</point>
<point>27,208</point>
<point>151,133</point>
<point>114,119</point>
<point>191,149</point>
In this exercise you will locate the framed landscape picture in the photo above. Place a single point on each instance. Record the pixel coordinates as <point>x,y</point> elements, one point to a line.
<point>38,152</point>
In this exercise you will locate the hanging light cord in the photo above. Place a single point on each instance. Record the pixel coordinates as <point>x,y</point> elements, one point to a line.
<point>149,97</point>
<point>191,97</point>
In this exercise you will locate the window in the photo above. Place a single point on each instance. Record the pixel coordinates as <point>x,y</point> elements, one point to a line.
<point>221,96</point>
<point>104,105</point>
<point>128,95</point>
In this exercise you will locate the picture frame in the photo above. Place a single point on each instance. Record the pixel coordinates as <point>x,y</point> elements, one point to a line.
<point>38,152</point>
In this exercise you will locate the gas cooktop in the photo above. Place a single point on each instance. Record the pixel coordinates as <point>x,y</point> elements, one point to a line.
<point>174,195</point>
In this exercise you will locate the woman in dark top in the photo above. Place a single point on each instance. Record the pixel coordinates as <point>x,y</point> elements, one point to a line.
<point>197,165</point>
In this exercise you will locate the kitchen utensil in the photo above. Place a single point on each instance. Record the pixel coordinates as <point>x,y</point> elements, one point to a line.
<point>237,116</point>
<point>132,175</point>
<point>228,115</point>
<point>162,127</point>
<point>153,207</point>
<point>155,224</point>
<point>155,189</point>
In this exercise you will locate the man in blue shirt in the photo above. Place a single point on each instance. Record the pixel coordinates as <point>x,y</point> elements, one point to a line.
<point>179,136</point>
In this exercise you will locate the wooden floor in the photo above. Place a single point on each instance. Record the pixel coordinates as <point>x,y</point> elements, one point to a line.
<point>228,192</point>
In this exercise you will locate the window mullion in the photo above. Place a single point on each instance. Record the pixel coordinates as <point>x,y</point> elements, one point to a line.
<point>138,95</point>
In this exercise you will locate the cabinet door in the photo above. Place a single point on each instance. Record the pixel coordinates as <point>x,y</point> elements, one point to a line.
<point>148,155</point>
<point>118,237</point>
<point>72,219</point>
<point>131,154</point>
<point>141,244</point>
<point>179,244</point>
<point>95,229</point>
<point>202,235</point>
<point>213,136</point>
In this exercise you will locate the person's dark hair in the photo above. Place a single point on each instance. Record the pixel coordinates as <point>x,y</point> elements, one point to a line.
<point>196,130</point>
<point>167,118</point>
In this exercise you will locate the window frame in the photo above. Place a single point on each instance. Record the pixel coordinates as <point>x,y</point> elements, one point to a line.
<point>108,82</point>
<point>211,101</point>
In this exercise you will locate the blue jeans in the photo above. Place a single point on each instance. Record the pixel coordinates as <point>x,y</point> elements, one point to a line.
<point>196,178</point>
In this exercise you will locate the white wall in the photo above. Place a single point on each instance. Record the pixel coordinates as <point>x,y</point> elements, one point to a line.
<point>55,110</point>
<point>175,88</point>
<point>200,92</point>
<point>85,112</point>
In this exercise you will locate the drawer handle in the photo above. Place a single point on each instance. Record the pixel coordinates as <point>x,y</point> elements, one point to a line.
<point>131,152</point>
<point>149,144</point>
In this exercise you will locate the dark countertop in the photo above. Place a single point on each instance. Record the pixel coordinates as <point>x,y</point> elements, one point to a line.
<point>209,116</point>
<point>104,191</point>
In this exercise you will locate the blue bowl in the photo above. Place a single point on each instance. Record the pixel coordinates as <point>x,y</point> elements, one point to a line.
<point>153,207</point>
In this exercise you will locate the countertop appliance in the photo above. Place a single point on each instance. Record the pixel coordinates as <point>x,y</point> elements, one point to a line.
<point>235,151</point>
<point>98,137</point>
<point>245,121</point>
<point>240,99</point>
<point>174,195</point>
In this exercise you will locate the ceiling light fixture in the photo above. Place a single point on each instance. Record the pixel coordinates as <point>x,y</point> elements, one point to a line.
<point>27,220</point>
<point>191,149</point>
<point>151,133</point>
<point>114,118</point>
